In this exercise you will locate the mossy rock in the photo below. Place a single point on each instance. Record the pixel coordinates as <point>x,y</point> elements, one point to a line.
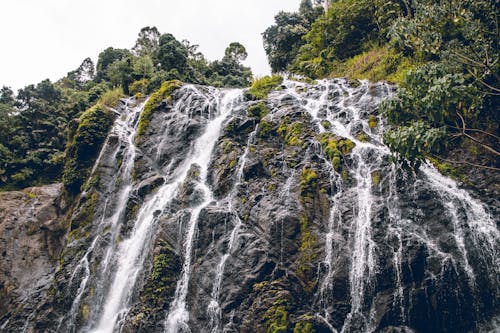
<point>336,148</point>
<point>372,121</point>
<point>263,86</point>
<point>293,133</point>
<point>306,268</point>
<point>154,103</point>
<point>266,129</point>
<point>376,178</point>
<point>84,216</point>
<point>83,147</point>
<point>308,182</point>
<point>258,111</point>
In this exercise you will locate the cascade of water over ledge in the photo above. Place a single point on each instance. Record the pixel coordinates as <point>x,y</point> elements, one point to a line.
<point>217,220</point>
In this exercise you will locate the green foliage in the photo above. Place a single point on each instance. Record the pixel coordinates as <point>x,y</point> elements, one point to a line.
<point>106,59</point>
<point>111,98</point>
<point>458,82</point>
<point>171,54</point>
<point>433,94</point>
<point>283,39</point>
<point>93,127</point>
<point>154,103</point>
<point>376,64</point>
<point>139,87</point>
<point>413,142</point>
<point>36,125</point>
<point>258,110</point>
<point>147,42</point>
<point>338,35</point>
<point>263,86</point>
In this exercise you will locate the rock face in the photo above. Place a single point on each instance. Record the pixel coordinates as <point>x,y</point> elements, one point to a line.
<point>290,219</point>
<point>32,234</point>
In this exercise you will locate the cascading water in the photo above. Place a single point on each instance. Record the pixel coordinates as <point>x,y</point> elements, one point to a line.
<point>220,221</point>
<point>178,316</point>
<point>214,309</point>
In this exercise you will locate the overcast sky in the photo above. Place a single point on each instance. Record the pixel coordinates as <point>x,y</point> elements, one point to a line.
<point>47,38</point>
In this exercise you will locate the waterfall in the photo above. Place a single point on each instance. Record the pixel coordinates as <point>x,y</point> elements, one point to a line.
<point>178,316</point>
<point>382,247</point>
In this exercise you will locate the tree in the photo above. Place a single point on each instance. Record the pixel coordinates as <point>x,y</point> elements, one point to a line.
<point>171,54</point>
<point>7,96</point>
<point>235,52</point>
<point>120,73</point>
<point>143,67</point>
<point>457,88</point>
<point>229,71</point>
<point>283,39</point>
<point>147,42</point>
<point>106,58</point>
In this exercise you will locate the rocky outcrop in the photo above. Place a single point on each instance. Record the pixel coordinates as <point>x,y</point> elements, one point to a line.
<point>32,231</point>
<point>281,215</point>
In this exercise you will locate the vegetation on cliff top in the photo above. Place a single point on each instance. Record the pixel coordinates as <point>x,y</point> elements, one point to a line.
<point>443,55</point>
<point>37,124</point>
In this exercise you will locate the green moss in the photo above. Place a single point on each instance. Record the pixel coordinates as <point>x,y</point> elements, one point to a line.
<point>335,148</point>
<point>307,256</point>
<point>326,124</point>
<point>265,129</point>
<point>85,311</point>
<point>292,133</point>
<point>276,318</point>
<point>303,327</point>
<point>154,102</point>
<point>308,182</point>
<point>227,146</point>
<point>372,121</point>
<point>448,170</point>
<point>30,194</point>
<point>84,145</point>
<point>274,173</point>
<point>362,136</point>
<point>271,187</point>
<point>263,86</point>
<point>162,280</point>
<point>303,79</point>
<point>376,178</point>
<point>258,110</point>
<point>232,164</point>
<point>345,175</point>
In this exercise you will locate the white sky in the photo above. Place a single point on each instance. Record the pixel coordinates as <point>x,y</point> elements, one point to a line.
<point>47,38</point>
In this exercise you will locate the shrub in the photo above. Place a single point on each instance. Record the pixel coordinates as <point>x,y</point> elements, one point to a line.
<point>263,86</point>
<point>139,87</point>
<point>84,145</point>
<point>258,110</point>
<point>377,64</point>
<point>111,97</point>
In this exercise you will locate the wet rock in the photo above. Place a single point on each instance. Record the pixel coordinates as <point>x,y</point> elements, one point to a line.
<point>32,232</point>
